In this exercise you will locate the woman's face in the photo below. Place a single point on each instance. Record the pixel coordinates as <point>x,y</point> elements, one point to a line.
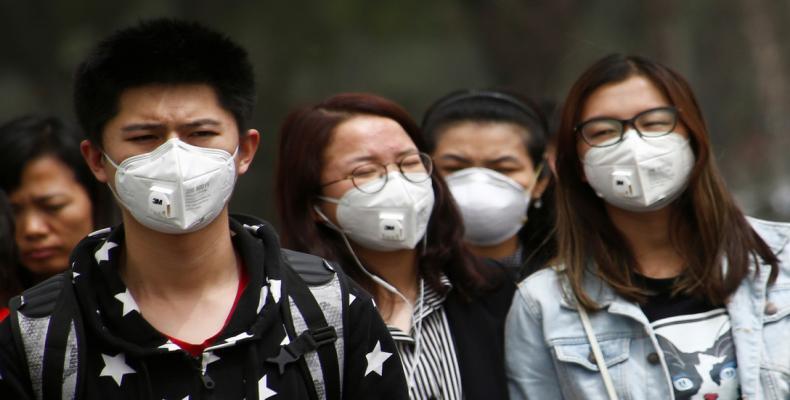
<point>623,100</point>
<point>52,213</point>
<point>494,145</point>
<point>357,141</point>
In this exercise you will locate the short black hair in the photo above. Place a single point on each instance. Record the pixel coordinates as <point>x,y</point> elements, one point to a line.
<point>482,105</point>
<point>161,51</point>
<point>26,138</point>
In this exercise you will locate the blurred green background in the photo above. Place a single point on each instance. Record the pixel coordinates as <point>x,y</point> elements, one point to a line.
<point>732,52</point>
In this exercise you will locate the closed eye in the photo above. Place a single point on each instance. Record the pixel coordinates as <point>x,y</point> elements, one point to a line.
<point>142,138</point>
<point>203,134</point>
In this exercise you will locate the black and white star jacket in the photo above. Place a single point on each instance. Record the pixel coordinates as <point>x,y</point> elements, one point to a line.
<point>126,358</point>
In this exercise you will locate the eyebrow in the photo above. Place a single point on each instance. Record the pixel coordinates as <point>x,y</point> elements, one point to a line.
<point>142,127</point>
<point>43,199</point>
<point>397,156</point>
<point>455,157</point>
<point>502,159</point>
<point>156,126</point>
<point>200,122</point>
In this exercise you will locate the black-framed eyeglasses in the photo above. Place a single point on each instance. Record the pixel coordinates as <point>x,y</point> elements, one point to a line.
<point>371,177</point>
<point>604,131</point>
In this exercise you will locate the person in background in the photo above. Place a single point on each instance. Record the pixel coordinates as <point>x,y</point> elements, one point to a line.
<point>663,288</point>
<point>490,146</point>
<point>354,184</point>
<point>9,282</point>
<point>53,195</point>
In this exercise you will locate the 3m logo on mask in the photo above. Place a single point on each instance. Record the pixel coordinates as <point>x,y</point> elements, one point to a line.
<point>391,226</point>
<point>622,184</point>
<point>159,201</point>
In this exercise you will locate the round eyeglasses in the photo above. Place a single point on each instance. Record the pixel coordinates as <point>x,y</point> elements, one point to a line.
<point>371,177</point>
<point>604,131</point>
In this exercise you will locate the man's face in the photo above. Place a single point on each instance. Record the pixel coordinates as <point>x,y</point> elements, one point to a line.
<point>150,115</point>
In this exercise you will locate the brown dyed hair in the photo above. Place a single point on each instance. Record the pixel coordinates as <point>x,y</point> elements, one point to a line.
<point>304,135</point>
<point>706,224</point>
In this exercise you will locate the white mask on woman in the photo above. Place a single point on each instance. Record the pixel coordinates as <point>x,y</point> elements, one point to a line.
<point>177,188</point>
<point>640,174</point>
<point>394,218</point>
<point>494,207</point>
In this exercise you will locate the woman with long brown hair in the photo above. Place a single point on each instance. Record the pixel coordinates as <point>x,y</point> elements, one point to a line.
<point>663,288</point>
<point>354,185</point>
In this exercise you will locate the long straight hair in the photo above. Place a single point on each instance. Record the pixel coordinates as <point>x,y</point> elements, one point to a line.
<point>304,135</point>
<point>706,225</point>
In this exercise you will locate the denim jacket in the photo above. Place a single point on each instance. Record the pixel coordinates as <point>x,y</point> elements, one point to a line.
<point>548,355</point>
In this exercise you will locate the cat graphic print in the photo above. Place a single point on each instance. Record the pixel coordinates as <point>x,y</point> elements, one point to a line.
<point>700,354</point>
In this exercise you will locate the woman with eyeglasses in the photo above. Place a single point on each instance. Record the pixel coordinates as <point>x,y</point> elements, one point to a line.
<point>490,146</point>
<point>354,185</point>
<point>663,289</point>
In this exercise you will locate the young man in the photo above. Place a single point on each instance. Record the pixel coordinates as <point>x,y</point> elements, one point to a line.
<point>184,301</point>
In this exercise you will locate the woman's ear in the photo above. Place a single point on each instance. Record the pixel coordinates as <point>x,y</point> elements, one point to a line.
<point>541,185</point>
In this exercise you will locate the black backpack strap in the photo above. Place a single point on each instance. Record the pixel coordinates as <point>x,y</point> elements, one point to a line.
<point>313,305</point>
<point>317,334</point>
<point>46,331</point>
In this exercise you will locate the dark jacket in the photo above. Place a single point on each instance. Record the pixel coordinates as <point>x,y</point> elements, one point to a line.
<point>478,329</point>
<point>126,358</point>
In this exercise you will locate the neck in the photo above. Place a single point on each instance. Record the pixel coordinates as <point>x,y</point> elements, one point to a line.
<point>497,251</point>
<point>165,265</point>
<point>399,268</point>
<point>648,234</point>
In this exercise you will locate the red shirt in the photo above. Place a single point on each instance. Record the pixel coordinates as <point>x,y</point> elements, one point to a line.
<point>3,313</point>
<point>196,349</point>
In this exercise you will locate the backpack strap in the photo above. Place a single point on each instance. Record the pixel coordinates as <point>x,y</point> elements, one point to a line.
<point>46,329</point>
<point>315,311</point>
<point>314,304</point>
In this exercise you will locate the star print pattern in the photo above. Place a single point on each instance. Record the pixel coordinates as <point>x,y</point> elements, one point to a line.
<point>114,372</point>
<point>376,359</point>
<point>116,367</point>
<point>170,346</point>
<point>263,389</point>
<point>103,254</point>
<point>240,336</point>
<point>275,285</point>
<point>129,304</point>
<point>208,358</point>
<point>262,298</point>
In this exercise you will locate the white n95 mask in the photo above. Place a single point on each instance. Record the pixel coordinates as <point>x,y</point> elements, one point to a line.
<point>177,188</point>
<point>394,218</point>
<point>640,174</point>
<point>494,207</point>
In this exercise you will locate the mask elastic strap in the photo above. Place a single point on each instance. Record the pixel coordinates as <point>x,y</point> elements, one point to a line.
<point>106,157</point>
<point>386,285</point>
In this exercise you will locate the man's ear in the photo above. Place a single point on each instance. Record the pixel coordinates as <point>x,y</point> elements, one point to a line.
<point>95,159</point>
<point>248,145</point>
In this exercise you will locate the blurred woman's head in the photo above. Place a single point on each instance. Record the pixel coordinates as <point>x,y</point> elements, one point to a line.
<point>490,147</point>
<point>632,139</point>
<point>353,153</point>
<point>51,191</point>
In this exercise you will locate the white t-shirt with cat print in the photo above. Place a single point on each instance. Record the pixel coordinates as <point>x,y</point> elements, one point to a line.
<point>700,354</point>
